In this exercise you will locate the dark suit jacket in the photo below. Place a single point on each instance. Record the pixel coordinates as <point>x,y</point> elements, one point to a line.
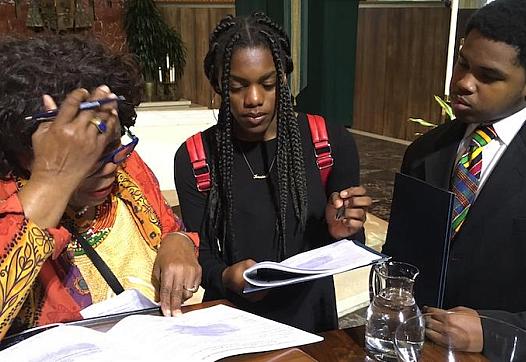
<point>487,260</point>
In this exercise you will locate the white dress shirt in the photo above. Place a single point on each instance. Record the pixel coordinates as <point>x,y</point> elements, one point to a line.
<point>506,130</point>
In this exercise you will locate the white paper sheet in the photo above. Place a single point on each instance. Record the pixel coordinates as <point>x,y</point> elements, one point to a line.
<point>341,255</point>
<point>128,301</point>
<point>66,343</point>
<point>202,335</point>
<point>328,260</point>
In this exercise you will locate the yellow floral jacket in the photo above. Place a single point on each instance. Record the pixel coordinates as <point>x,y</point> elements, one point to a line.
<point>39,283</point>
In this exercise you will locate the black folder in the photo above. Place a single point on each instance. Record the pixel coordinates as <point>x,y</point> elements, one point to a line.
<point>418,233</point>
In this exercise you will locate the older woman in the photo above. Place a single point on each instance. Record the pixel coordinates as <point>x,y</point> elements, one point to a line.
<point>68,184</point>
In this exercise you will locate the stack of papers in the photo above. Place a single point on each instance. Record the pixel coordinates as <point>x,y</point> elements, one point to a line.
<point>318,263</point>
<point>130,300</point>
<point>202,335</point>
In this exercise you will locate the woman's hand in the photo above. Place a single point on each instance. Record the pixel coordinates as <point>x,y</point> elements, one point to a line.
<point>65,150</point>
<point>355,204</point>
<point>177,272</point>
<point>71,145</point>
<point>233,280</point>
<point>461,330</point>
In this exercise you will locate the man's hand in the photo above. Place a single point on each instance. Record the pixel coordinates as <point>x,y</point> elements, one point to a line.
<point>461,330</point>
<point>177,272</point>
<point>355,204</point>
<point>233,280</point>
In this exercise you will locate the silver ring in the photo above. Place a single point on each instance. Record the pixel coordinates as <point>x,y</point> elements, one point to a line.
<point>193,289</point>
<point>99,123</point>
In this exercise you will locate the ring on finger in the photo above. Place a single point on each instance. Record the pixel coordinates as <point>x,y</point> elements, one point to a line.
<point>193,289</point>
<point>99,123</point>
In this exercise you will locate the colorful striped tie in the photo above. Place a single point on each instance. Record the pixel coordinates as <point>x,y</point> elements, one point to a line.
<point>467,175</point>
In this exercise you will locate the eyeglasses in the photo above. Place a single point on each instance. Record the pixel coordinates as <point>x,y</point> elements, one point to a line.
<point>121,153</point>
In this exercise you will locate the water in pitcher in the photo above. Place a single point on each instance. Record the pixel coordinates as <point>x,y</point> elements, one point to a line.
<point>389,308</point>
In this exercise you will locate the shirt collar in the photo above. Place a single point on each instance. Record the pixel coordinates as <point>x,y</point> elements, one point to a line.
<point>506,128</point>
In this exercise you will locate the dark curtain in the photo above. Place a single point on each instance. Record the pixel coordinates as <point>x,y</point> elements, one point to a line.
<point>331,46</point>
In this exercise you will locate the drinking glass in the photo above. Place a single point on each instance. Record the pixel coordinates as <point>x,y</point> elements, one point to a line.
<point>503,342</point>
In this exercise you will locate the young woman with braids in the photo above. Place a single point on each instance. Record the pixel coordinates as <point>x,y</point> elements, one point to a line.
<point>267,201</point>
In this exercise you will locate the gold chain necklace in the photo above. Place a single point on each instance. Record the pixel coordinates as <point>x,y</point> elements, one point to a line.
<point>255,176</point>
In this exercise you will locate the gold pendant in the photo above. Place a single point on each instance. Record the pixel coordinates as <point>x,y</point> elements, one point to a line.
<point>259,177</point>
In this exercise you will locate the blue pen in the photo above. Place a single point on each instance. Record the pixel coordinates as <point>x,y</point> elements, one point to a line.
<point>82,107</point>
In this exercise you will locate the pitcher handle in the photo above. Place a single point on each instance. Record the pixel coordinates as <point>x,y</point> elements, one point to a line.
<point>373,281</point>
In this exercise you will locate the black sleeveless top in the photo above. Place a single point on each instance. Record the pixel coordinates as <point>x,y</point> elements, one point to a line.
<point>310,306</point>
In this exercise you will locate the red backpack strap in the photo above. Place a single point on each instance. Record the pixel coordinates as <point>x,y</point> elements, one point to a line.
<point>322,147</point>
<point>196,151</point>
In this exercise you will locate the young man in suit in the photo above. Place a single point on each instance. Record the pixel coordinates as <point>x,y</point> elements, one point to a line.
<point>481,157</point>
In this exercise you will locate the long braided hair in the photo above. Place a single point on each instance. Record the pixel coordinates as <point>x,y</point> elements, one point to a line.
<point>234,33</point>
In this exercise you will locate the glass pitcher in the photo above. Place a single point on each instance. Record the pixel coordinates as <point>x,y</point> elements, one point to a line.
<point>391,303</point>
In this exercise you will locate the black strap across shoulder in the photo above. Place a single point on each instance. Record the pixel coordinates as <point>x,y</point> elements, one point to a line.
<point>100,264</point>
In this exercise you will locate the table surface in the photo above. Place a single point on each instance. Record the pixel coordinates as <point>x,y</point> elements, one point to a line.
<point>338,345</point>
<point>346,345</point>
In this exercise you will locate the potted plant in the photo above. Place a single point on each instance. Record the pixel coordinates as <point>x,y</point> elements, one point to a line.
<point>158,47</point>
<point>446,110</point>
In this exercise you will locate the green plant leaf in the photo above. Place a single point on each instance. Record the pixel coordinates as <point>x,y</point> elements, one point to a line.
<point>151,39</point>
<point>445,106</point>
<point>421,122</point>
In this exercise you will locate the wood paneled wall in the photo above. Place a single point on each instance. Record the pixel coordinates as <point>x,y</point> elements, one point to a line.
<point>195,20</point>
<point>107,25</point>
<point>471,4</point>
<point>400,64</point>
